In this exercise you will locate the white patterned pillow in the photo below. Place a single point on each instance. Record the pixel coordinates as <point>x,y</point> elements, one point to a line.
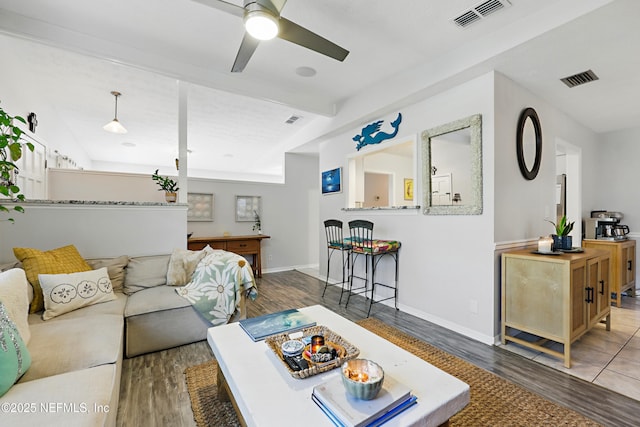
<point>67,292</point>
<point>182,264</point>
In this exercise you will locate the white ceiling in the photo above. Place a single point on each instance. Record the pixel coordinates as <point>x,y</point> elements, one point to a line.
<point>75,52</point>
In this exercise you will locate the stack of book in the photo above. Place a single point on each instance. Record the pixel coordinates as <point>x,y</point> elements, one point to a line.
<point>346,411</point>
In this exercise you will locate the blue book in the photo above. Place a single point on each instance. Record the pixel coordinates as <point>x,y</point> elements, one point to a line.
<point>345,410</point>
<point>258,328</point>
<point>410,401</point>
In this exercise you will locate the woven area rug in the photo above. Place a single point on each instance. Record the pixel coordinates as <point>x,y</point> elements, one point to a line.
<point>494,401</point>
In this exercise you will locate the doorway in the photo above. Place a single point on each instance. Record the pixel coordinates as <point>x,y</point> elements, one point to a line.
<point>376,189</point>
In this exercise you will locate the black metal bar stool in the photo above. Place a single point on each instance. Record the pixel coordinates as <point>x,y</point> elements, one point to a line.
<point>363,243</point>
<point>336,242</point>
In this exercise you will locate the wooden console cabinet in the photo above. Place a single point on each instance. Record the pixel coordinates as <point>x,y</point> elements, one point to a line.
<point>623,265</point>
<point>554,297</point>
<point>241,245</point>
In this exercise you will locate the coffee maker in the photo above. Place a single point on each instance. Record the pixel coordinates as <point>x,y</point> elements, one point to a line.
<point>605,225</point>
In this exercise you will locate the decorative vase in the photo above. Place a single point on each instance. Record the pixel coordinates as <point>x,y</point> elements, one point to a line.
<point>170,197</point>
<point>562,242</point>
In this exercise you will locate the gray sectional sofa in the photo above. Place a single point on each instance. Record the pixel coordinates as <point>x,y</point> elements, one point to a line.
<point>76,358</point>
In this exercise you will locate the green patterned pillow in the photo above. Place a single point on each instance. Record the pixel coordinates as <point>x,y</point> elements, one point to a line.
<point>14,356</point>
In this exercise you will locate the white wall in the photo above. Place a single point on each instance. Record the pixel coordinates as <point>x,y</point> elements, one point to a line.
<point>96,230</point>
<point>618,175</point>
<point>521,206</point>
<point>446,262</point>
<point>289,210</point>
<point>289,213</point>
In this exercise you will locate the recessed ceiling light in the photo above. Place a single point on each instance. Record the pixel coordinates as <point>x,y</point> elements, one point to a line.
<point>128,144</point>
<point>228,155</point>
<point>306,71</point>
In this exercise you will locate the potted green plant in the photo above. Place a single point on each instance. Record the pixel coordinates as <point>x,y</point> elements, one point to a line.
<point>562,240</point>
<point>168,185</point>
<point>10,152</point>
<point>257,224</point>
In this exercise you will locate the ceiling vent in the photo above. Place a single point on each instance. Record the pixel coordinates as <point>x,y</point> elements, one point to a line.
<point>580,78</point>
<point>480,11</point>
<point>291,120</point>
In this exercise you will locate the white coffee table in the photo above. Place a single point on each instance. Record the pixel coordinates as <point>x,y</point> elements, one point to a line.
<point>265,394</point>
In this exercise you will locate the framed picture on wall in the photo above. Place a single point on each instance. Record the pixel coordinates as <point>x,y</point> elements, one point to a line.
<point>332,181</point>
<point>200,207</point>
<point>408,189</point>
<point>247,207</point>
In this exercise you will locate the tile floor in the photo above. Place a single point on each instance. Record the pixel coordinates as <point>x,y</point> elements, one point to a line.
<point>610,359</point>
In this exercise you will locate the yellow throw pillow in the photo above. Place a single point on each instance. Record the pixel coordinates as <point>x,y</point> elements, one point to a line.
<point>66,259</point>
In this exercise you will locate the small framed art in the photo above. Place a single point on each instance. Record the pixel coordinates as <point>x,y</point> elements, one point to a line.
<point>332,181</point>
<point>408,189</point>
<point>200,207</point>
<point>247,207</point>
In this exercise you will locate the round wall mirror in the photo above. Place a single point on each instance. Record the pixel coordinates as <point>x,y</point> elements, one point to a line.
<point>529,143</point>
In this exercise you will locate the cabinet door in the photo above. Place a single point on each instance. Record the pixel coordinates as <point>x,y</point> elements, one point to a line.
<point>593,277</point>
<point>603,289</point>
<point>629,259</point>
<point>578,296</point>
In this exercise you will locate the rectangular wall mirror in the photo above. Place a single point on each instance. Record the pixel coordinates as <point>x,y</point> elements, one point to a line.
<point>452,168</point>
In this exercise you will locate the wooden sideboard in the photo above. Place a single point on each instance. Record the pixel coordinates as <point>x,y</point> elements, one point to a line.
<point>241,245</point>
<point>555,297</point>
<point>623,265</point>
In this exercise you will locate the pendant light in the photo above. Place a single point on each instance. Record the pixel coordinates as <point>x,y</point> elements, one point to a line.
<point>114,125</point>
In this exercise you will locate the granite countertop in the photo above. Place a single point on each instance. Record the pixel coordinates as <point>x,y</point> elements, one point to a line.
<point>92,202</point>
<point>383,208</point>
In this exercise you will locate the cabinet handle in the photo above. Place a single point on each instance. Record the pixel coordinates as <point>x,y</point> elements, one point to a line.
<point>589,293</point>
<point>601,287</point>
<point>629,265</point>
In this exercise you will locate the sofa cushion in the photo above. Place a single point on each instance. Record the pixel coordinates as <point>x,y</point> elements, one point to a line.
<point>182,264</point>
<point>154,299</point>
<point>71,344</point>
<point>115,267</point>
<point>87,394</point>
<point>68,292</point>
<point>14,356</point>
<point>146,272</point>
<point>56,261</point>
<point>15,296</point>
<point>115,307</point>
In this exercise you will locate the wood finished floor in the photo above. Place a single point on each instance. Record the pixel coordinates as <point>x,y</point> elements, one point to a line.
<point>153,390</point>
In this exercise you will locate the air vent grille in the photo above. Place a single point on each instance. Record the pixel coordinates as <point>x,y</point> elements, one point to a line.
<point>580,78</point>
<point>291,120</point>
<point>480,11</point>
<point>489,7</point>
<point>466,19</point>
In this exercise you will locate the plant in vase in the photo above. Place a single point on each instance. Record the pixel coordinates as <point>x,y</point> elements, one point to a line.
<point>166,184</point>
<point>10,152</point>
<point>257,225</point>
<point>562,240</point>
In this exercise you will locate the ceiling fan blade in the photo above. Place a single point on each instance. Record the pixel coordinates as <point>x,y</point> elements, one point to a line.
<point>275,5</point>
<point>223,6</point>
<point>247,47</point>
<point>294,33</point>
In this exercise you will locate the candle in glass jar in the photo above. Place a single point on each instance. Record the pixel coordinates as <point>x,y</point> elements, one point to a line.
<point>545,244</point>
<point>317,341</point>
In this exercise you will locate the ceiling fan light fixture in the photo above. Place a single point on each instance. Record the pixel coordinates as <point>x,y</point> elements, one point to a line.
<point>261,24</point>
<point>114,126</point>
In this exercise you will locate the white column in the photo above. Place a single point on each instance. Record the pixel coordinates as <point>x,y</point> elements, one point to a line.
<point>183,97</point>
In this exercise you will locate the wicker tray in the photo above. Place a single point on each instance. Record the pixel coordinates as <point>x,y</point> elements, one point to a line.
<point>350,351</point>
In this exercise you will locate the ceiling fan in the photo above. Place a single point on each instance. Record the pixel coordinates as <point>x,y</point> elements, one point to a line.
<point>264,15</point>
